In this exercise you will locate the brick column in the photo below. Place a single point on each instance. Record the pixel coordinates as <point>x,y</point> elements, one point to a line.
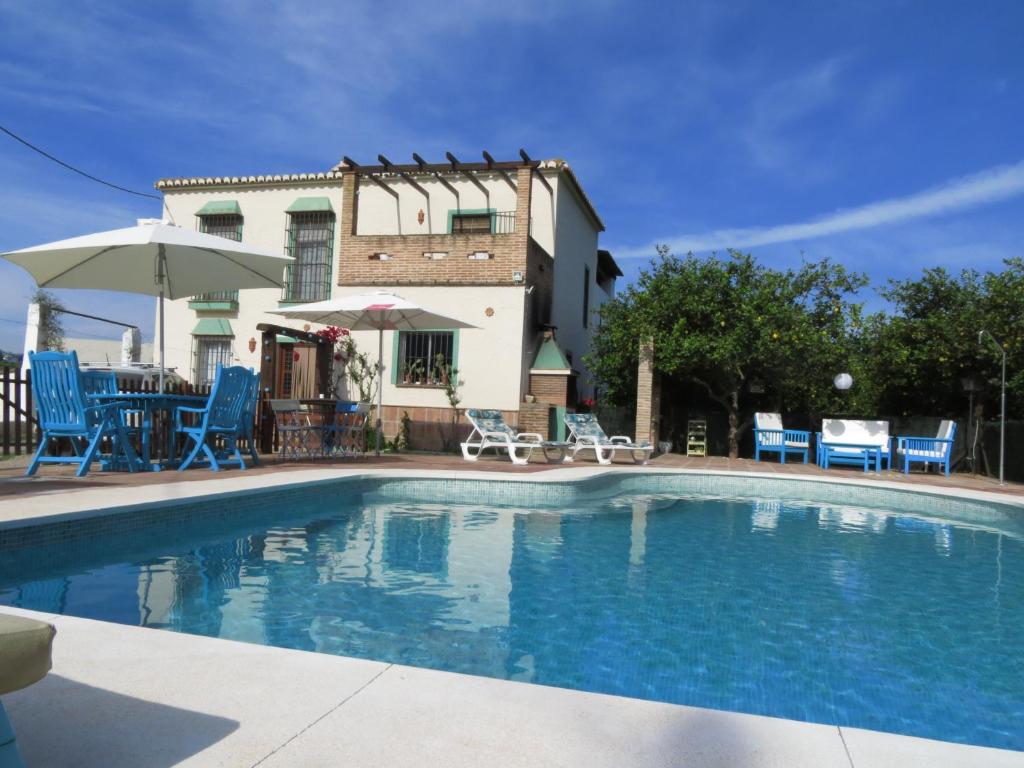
<point>349,214</point>
<point>524,187</point>
<point>534,417</point>
<point>648,396</point>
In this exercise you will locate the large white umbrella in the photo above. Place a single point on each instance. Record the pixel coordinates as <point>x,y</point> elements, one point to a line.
<point>152,258</point>
<point>379,311</point>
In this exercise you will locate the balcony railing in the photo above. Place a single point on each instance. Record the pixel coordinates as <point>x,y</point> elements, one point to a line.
<point>494,223</point>
<point>224,301</point>
<point>216,296</point>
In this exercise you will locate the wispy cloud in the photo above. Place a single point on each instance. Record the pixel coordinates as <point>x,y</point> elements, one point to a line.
<point>989,186</point>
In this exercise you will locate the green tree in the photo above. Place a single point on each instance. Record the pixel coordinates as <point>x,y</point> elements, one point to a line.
<point>930,342</point>
<point>721,323</point>
<point>51,329</point>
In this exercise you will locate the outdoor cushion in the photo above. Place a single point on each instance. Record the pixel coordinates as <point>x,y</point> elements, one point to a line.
<point>772,421</point>
<point>855,432</point>
<point>24,651</point>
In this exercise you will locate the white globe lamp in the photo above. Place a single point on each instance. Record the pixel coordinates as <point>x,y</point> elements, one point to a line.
<point>843,381</point>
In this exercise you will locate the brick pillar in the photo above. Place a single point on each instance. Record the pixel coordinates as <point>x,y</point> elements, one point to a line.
<point>648,396</point>
<point>524,187</point>
<point>534,417</point>
<point>349,213</point>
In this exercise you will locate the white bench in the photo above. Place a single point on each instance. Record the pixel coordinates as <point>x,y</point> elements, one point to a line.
<point>854,441</point>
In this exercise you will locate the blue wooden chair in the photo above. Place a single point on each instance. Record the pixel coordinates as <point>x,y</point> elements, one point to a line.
<point>220,418</point>
<point>928,450</point>
<point>771,437</point>
<point>246,430</point>
<point>63,410</point>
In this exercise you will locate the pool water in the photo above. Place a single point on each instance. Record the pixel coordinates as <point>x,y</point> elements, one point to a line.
<point>828,614</point>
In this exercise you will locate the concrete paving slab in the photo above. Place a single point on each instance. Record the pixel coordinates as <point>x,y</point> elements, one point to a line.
<point>873,749</point>
<point>129,696</point>
<point>419,718</point>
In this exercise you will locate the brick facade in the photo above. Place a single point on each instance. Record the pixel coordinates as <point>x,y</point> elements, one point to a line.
<point>534,417</point>
<point>552,389</point>
<point>512,252</point>
<point>426,425</point>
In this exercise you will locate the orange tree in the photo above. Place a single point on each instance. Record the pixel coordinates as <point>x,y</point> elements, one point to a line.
<point>930,341</point>
<point>722,322</point>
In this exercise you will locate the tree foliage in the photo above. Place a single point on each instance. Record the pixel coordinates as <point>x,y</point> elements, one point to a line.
<point>723,323</point>
<point>51,329</point>
<point>930,341</point>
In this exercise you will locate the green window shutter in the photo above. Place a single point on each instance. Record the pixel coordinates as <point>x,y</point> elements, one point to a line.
<point>311,205</point>
<point>396,338</point>
<point>220,208</point>
<point>213,326</point>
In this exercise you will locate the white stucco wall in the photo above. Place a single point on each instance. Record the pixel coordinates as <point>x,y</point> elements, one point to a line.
<point>575,248</point>
<point>489,355</point>
<point>264,224</point>
<point>381,214</point>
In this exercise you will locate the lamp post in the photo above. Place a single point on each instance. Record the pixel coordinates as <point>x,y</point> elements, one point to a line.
<point>971,385</point>
<point>1002,402</point>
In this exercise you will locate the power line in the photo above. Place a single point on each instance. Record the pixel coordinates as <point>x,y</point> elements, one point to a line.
<point>47,155</point>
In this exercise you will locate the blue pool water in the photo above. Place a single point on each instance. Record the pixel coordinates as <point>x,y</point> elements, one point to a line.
<point>828,614</point>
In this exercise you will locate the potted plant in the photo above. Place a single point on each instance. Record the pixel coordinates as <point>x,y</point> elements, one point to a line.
<point>406,373</point>
<point>416,371</point>
<point>441,369</point>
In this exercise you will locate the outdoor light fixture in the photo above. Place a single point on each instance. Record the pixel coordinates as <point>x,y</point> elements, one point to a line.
<point>971,385</point>
<point>1002,402</point>
<point>843,381</point>
<point>517,277</point>
<point>252,344</point>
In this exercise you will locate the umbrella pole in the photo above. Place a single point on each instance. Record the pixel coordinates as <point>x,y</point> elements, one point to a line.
<point>161,280</point>
<point>161,338</point>
<point>380,383</point>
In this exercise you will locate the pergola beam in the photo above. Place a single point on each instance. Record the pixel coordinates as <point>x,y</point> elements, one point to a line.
<point>421,166</point>
<point>504,174</point>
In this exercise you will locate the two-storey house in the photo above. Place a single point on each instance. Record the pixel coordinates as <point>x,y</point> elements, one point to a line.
<point>510,248</point>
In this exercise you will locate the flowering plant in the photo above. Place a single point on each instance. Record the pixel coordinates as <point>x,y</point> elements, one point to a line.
<point>333,333</point>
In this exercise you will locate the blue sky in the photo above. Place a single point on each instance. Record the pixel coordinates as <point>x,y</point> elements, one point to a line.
<point>884,135</point>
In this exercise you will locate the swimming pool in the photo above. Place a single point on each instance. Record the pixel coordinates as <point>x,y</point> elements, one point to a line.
<point>646,586</point>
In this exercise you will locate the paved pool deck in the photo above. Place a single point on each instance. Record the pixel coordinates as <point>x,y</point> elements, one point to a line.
<point>128,696</point>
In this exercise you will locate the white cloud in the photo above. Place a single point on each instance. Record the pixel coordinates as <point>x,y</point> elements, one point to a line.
<point>989,186</point>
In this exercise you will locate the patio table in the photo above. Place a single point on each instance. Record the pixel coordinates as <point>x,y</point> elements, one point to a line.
<point>149,404</point>
<point>849,453</point>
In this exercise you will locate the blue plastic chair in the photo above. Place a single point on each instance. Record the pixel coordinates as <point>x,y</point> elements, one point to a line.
<point>63,410</point>
<point>221,418</point>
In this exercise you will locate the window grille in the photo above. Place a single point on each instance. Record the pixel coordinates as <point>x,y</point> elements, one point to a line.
<point>211,351</point>
<point>418,355</point>
<point>227,225</point>
<point>471,223</point>
<point>483,222</point>
<point>310,242</point>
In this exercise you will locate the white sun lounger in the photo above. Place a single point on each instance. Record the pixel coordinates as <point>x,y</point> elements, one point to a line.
<point>491,431</point>
<point>585,434</point>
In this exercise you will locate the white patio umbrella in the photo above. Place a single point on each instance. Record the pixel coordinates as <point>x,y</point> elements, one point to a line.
<point>152,258</point>
<point>380,311</point>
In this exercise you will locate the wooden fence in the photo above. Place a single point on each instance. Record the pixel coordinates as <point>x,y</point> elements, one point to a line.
<point>18,428</point>
<point>17,420</point>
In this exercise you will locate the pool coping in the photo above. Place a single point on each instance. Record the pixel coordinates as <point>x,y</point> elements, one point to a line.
<point>338,710</point>
<point>859,747</point>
